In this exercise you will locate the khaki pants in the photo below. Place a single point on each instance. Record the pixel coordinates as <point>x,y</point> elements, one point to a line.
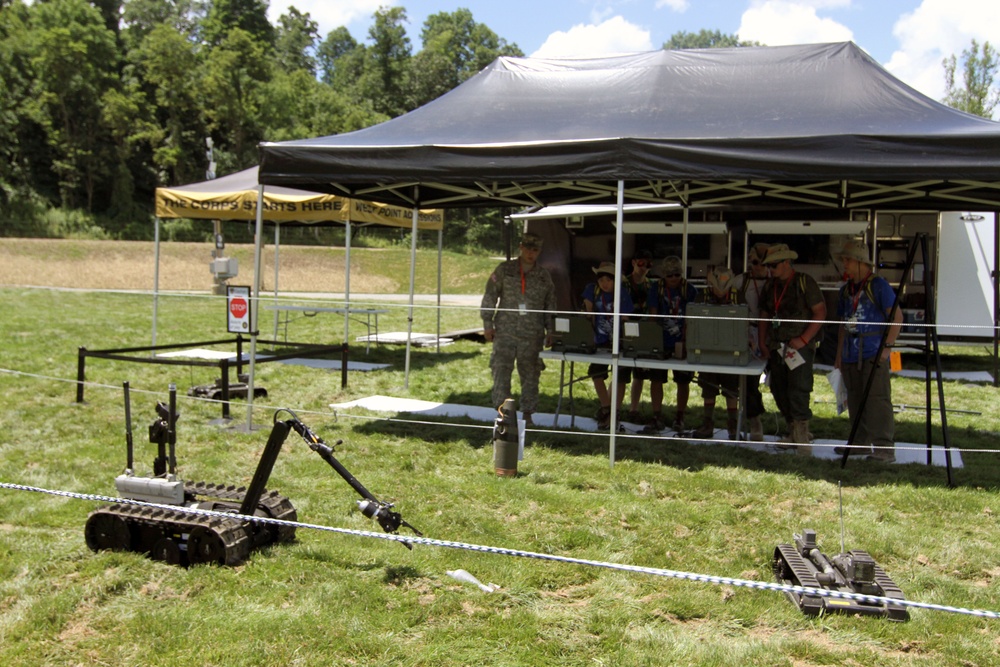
<point>876,427</point>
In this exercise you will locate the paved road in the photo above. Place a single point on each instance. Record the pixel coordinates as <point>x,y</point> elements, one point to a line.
<point>453,299</point>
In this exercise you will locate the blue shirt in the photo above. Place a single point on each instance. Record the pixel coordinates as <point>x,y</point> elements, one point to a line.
<point>864,319</point>
<point>673,303</point>
<point>604,302</point>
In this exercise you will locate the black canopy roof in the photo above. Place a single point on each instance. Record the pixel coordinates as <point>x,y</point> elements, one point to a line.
<point>822,125</point>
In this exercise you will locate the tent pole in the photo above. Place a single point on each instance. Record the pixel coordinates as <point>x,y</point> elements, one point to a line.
<point>255,302</point>
<point>277,264</point>
<point>616,321</point>
<point>440,250</point>
<point>156,275</point>
<point>413,276</point>
<point>347,281</point>
<point>684,237</point>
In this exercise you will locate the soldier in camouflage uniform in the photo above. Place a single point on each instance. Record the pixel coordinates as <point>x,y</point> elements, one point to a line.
<point>517,318</point>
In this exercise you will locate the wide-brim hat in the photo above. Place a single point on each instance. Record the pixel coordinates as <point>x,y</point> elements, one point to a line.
<point>606,268</point>
<point>856,250</point>
<point>779,252</point>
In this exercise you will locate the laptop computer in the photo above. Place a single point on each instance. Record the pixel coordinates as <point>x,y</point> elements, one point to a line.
<point>642,339</point>
<point>573,333</point>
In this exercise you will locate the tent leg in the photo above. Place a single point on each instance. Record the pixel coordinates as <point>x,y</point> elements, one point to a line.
<point>255,303</point>
<point>413,276</point>
<point>156,276</point>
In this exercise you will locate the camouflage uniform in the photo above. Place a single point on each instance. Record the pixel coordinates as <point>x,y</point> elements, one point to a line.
<point>520,336</point>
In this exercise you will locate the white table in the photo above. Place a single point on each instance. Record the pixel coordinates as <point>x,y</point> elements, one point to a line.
<point>287,314</point>
<point>752,369</point>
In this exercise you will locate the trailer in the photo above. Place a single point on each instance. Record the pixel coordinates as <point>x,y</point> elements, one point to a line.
<point>961,262</point>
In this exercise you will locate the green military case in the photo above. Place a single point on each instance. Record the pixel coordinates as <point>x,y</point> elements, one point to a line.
<point>717,334</point>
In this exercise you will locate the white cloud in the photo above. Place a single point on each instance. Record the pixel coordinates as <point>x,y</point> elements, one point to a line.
<point>615,35</point>
<point>329,14</point>
<point>679,6</point>
<point>779,22</point>
<point>935,30</point>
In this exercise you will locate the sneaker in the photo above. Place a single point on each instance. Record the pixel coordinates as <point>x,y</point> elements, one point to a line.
<point>678,426</point>
<point>604,419</point>
<point>853,450</point>
<point>756,429</point>
<point>634,416</point>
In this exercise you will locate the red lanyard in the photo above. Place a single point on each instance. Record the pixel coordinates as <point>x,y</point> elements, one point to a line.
<point>856,295</point>
<point>520,268</point>
<point>779,299</point>
<point>674,310</point>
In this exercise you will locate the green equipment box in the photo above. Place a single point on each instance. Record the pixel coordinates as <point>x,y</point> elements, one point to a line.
<point>717,334</point>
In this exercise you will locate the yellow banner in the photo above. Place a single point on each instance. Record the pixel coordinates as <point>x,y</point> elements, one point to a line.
<point>242,205</point>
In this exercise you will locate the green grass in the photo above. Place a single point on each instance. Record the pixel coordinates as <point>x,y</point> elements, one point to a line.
<point>330,599</point>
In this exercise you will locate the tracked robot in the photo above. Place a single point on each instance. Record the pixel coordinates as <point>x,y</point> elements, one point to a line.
<point>185,538</point>
<point>803,564</point>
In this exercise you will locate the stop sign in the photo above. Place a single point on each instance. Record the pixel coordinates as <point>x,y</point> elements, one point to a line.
<point>238,307</point>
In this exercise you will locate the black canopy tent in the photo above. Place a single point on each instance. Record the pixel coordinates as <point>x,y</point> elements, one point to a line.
<point>817,127</point>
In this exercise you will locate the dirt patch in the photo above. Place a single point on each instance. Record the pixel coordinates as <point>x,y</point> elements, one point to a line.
<point>131,265</point>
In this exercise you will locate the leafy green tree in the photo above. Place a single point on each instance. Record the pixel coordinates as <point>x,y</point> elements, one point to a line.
<point>977,95</point>
<point>235,77</point>
<point>385,77</point>
<point>140,17</point>
<point>295,41</point>
<point>74,57</point>
<point>169,65</point>
<point>704,39</point>
<point>455,48</point>
<point>338,44</point>
<point>16,75</point>
<point>247,15</point>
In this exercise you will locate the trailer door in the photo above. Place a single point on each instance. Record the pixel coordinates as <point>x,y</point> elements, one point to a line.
<point>965,265</point>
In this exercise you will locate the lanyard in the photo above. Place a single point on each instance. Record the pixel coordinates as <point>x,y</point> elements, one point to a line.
<point>604,303</point>
<point>856,295</point>
<point>778,299</point>
<point>674,310</point>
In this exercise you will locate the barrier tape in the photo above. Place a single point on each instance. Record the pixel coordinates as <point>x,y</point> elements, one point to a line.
<point>503,551</point>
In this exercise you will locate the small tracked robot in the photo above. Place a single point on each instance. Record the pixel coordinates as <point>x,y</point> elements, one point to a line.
<point>186,538</point>
<point>803,564</point>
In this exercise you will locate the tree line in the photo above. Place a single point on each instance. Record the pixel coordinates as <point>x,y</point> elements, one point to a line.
<point>103,101</point>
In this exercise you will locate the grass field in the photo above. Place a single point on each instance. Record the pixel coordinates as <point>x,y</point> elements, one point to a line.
<point>332,599</point>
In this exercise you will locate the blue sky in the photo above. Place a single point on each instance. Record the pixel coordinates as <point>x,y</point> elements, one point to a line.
<point>908,37</point>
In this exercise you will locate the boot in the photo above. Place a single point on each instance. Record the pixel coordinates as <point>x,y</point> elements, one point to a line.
<point>707,428</point>
<point>802,436</point>
<point>731,424</point>
<point>678,424</point>
<point>604,418</point>
<point>756,429</point>
<point>798,437</point>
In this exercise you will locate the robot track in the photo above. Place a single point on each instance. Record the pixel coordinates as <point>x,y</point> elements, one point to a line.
<point>185,538</point>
